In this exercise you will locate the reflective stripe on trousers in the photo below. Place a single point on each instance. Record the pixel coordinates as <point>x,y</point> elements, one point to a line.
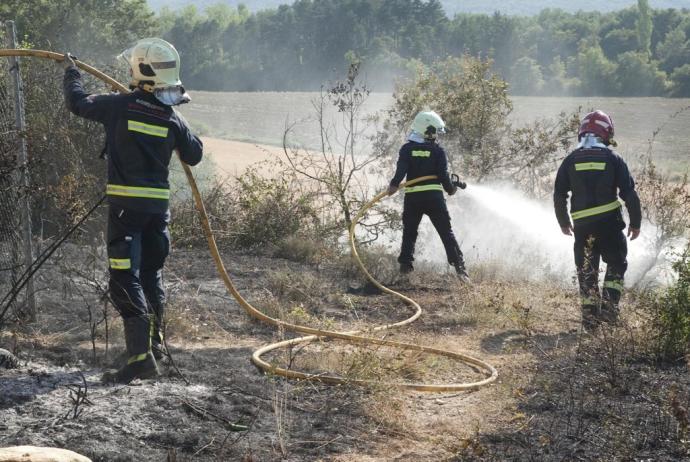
<point>120,263</point>
<point>616,285</point>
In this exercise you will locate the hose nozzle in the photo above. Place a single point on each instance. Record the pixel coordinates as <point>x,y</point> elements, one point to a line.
<point>456,181</point>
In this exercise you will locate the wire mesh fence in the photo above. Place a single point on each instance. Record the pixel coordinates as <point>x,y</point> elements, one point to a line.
<point>12,193</point>
<point>50,176</point>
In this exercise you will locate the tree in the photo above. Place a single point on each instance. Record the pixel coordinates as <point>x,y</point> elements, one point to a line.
<point>337,171</point>
<point>674,51</point>
<point>666,205</point>
<point>638,76</point>
<point>526,77</point>
<point>619,41</point>
<point>597,74</point>
<point>95,30</point>
<point>556,81</point>
<point>680,81</point>
<point>472,99</point>
<point>644,26</point>
<point>481,142</point>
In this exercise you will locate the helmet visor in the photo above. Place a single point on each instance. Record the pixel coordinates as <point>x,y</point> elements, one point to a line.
<point>126,56</point>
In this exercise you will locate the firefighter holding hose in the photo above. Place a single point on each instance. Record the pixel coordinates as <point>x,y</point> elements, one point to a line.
<point>142,130</point>
<point>596,177</point>
<point>420,156</point>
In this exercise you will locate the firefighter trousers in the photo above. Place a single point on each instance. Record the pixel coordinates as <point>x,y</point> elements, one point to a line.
<point>138,244</point>
<point>591,246</point>
<point>432,204</point>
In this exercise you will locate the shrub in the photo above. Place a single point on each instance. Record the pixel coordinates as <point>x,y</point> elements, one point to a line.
<point>666,205</point>
<point>671,314</point>
<point>249,212</point>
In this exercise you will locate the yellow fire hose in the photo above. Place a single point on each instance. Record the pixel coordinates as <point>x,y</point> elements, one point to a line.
<point>312,333</point>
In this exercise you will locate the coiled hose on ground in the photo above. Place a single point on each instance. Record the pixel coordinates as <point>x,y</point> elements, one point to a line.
<point>312,334</point>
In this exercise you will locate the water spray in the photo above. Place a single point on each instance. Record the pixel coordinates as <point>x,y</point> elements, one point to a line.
<point>519,236</point>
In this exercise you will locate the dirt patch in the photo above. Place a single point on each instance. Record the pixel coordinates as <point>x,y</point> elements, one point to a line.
<point>234,157</point>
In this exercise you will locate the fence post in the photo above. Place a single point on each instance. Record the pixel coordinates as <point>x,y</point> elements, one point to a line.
<point>24,196</point>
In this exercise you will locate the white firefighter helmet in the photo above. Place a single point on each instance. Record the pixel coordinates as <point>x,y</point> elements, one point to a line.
<point>156,62</point>
<point>428,124</point>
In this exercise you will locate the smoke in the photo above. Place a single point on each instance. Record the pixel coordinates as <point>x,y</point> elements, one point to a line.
<point>519,238</point>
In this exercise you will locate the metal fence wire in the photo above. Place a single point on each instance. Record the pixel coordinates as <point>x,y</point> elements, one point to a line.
<point>12,247</point>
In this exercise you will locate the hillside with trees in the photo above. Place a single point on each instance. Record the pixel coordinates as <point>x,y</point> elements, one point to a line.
<point>636,51</point>
<point>452,7</point>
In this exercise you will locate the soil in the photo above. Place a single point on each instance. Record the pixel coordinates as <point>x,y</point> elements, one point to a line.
<point>211,342</point>
<point>528,331</point>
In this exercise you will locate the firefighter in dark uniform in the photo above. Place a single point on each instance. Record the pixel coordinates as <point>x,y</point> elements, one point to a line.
<point>142,130</point>
<point>596,177</point>
<point>422,156</point>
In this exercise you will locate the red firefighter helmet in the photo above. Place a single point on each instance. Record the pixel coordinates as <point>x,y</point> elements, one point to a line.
<point>598,123</point>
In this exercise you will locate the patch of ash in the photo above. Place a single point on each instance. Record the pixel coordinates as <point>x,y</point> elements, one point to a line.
<point>37,407</point>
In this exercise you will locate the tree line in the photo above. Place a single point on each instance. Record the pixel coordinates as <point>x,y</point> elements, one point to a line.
<point>632,52</point>
<point>637,51</point>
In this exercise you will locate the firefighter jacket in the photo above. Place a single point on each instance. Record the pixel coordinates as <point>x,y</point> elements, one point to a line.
<point>596,176</point>
<point>141,134</point>
<point>422,159</point>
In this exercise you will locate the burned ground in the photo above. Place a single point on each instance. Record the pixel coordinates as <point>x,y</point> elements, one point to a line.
<point>560,394</point>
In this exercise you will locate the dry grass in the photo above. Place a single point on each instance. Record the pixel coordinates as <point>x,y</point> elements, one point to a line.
<point>559,393</point>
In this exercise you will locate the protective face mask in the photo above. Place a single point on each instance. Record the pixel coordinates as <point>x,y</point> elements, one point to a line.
<point>590,140</point>
<point>172,96</point>
<point>416,137</point>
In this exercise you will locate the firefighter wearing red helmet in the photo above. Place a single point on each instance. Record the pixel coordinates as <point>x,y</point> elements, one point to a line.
<point>595,177</point>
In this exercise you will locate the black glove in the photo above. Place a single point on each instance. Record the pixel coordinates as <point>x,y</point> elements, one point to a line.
<point>68,61</point>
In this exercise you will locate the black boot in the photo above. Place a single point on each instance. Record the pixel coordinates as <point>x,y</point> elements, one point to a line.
<point>157,343</point>
<point>609,312</point>
<point>141,364</point>
<point>462,272</point>
<point>406,268</point>
<point>610,299</point>
<point>591,318</point>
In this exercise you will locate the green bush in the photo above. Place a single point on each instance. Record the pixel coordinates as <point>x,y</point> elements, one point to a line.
<point>671,311</point>
<point>251,211</point>
<point>270,210</point>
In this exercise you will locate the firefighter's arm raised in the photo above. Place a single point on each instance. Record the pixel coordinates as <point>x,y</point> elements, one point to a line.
<point>78,101</point>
